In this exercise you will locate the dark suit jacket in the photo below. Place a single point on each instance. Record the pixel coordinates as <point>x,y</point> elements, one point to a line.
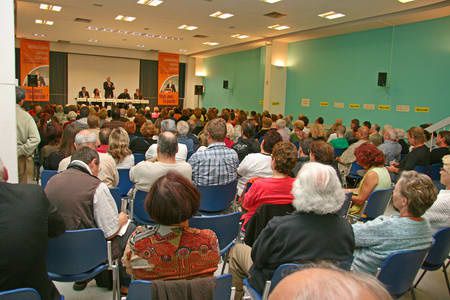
<point>27,220</point>
<point>108,89</point>
<point>81,95</point>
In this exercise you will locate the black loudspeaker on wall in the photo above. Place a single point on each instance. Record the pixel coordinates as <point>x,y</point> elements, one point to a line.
<point>32,80</point>
<point>225,84</point>
<point>198,90</point>
<point>382,78</point>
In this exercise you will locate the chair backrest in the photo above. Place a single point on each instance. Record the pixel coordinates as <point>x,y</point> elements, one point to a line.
<point>46,175</point>
<point>423,169</point>
<point>376,204</point>
<point>441,247</point>
<point>399,269</point>
<point>217,198</point>
<point>20,294</point>
<point>76,251</point>
<point>283,271</point>
<point>125,183</point>
<point>138,157</point>
<point>342,212</point>
<point>435,171</point>
<point>142,289</point>
<point>354,168</point>
<point>115,192</point>
<point>140,215</point>
<point>338,151</point>
<point>226,227</point>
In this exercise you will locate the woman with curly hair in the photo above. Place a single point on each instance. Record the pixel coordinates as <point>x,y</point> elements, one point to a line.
<point>275,189</point>
<point>118,148</point>
<point>377,176</point>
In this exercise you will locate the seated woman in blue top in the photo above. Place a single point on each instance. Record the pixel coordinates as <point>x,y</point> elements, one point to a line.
<point>375,240</point>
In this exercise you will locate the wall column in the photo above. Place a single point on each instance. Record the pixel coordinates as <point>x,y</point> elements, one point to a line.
<point>192,79</point>
<point>275,77</point>
<point>8,148</point>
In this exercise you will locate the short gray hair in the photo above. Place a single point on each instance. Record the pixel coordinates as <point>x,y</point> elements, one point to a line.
<point>182,127</point>
<point>167,144</point>
<point>281,123</point>
<point>168,125</point>
<point>84,137</point>
<point>317,189</point>
<point>390,132</point>
<point>20,94</point>
<point>86,155</point>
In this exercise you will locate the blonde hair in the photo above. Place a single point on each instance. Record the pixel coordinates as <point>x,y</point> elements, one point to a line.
<point>118,144</point>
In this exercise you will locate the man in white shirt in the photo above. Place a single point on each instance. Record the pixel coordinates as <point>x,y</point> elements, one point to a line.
<point>168,125</point>
<point>258,164</point>
<point>28,137</point>
<point>108,170</point>
<point>145,173</point>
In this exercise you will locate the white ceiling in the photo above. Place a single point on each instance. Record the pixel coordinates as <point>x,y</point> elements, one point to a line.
<point>164,20</point>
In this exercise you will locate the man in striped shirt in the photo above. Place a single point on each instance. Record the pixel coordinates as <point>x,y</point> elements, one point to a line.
<point>217,164</point>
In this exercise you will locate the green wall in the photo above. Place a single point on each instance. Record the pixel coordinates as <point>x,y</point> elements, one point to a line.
<point>245,74</point>
<point>345,68</point>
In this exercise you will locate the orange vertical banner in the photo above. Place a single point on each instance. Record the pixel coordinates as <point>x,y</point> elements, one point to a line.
<point>35,60</point>
<point>168,72</point>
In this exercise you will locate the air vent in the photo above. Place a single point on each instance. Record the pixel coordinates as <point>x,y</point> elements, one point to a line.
<point>63,42</point>
<point>82,20</point>
<point>200,36</point>
<point>275,15</point>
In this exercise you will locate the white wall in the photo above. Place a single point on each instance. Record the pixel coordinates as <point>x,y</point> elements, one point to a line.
<point>190,99</point>
<point>91,71</point>
<point>8,149</point>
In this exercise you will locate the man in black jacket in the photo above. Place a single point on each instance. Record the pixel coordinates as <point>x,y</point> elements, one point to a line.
<point>27,220</point>
<point>108,86</point>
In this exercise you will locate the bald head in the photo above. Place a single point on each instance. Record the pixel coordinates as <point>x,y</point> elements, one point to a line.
<point>86,138</point>
<point>363,133</point>
<point>329,283</point>
<point>167,145</point>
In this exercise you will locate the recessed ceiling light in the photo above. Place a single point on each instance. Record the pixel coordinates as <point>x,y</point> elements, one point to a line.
<point>125,18</point>
<point>38,34</point>
<point>211,43</point>
<point>405,1</point>
<point>278,27</point>
<point>44,22</point>
<point>182,50</point>
<point>221,15</point>
<point>140,46</point>
<point>134,33</point>
<point>50,7</point>
<point>271,1</point>
<point>331,15</point>
<point>150,2</point>
<point>239,36</point>
<point>92,40</point>
<point>187,27</point>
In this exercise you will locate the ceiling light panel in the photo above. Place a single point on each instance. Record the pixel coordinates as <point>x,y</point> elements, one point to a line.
<point>278,27</point>
<point>44,22</point>
<point>211,43</point>
<point>187,27</point>
<point>221,15</point>
<point>271,1</point>
<point>125,18</point>
<point>135,33</point>
<point>405,1</point>
<point>38,34</point>
<point>239,36</point>
<point>92,40</point>
<point>44,6</point>
<point>331,15</point>
<point>150,2</point>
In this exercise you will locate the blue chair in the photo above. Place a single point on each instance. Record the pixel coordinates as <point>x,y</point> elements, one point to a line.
<point>423,169</point>
<point>353,178</point>
<point>115,192</point>
<point>399,269</point>
<point>125,183</point>
<point>142,289</point>
<point>376,204</point>
<point>338,151</point>
<point>216,198</point>
<point>343,211</point>
<point>46,175</point>
<point>437,255</point>
<point>435,170</point>
<point>138,212</point>
<point>80,255</point>
<point>138,157</point>
<point>20,294</point>
<point>226,228</point>
<point>280,272</point>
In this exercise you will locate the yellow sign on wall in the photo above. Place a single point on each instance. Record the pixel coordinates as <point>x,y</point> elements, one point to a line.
<point>355,106</point>
<point>422,109</point>
<point>324,104</point>
<point>339,105</point>
<point>367,106</point>
<point>384,107</point>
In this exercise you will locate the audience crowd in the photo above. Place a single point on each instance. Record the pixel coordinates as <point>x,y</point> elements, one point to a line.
<point>272,159</point>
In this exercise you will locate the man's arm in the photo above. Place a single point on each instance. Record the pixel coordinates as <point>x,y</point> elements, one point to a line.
<point>56,225</point>
<point>33,138</point>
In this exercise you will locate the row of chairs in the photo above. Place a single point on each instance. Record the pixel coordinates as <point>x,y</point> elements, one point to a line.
<point>397,272</point>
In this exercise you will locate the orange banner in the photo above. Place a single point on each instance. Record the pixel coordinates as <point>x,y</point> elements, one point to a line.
<point>34,60</point>
<point>168,71</point>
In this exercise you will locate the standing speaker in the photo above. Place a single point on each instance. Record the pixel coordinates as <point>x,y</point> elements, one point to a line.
<point>198,90</point>
<point>225,84</point>
<point>382,78</point>
<point>32,80</point>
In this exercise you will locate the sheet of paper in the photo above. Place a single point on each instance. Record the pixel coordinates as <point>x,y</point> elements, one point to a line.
<point>124,228</point>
